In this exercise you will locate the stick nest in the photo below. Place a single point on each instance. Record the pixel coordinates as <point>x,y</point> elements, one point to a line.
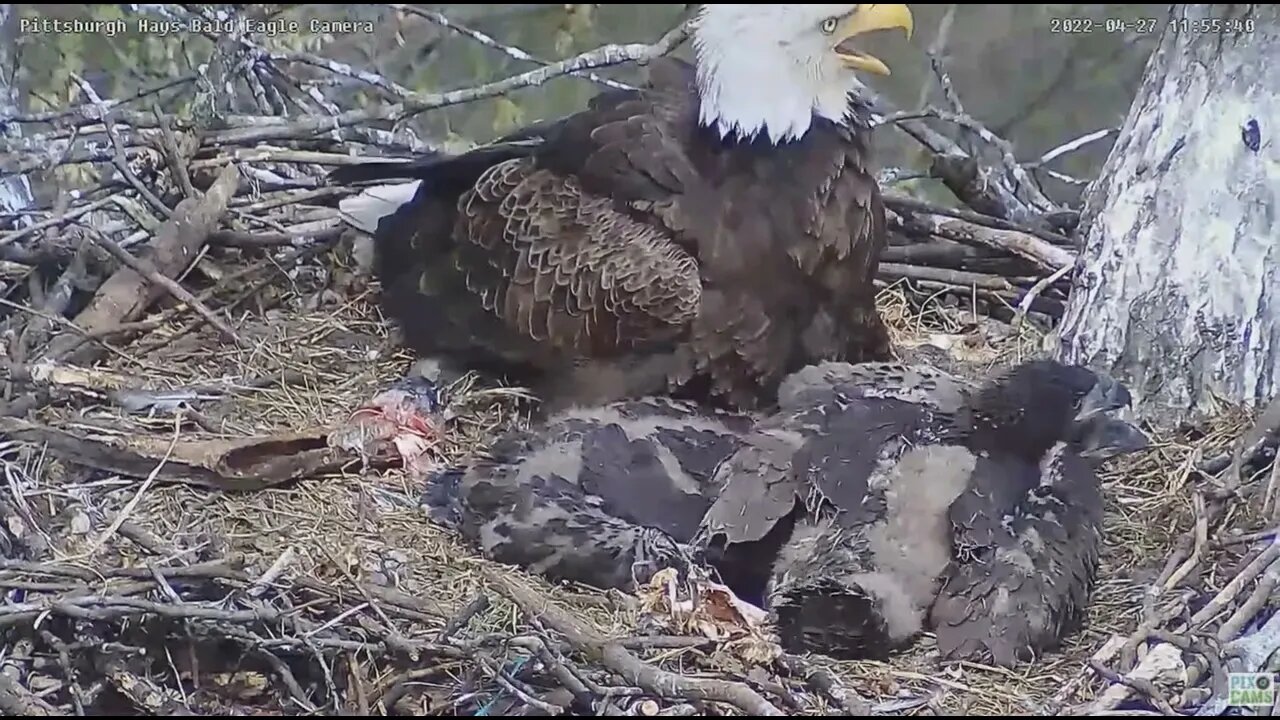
<point>129,589</point>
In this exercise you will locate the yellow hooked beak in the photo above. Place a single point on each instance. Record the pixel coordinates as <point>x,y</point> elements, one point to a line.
<point>864,20</point>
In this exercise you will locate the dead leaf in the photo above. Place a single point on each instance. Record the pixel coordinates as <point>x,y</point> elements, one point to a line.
<point>714,612</point>
<point>244,685</point>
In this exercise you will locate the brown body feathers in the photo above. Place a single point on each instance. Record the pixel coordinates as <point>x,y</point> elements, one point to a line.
<point>626,250</point>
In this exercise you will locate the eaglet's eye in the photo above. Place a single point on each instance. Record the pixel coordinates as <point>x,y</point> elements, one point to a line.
<point>829,25</point>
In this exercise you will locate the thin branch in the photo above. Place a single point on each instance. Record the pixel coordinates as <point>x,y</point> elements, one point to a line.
<point>509,50</point>
<point>60,219</point>
<point>1073,145</point>
<point>605,56</point>
<point>631,668</point>
<point>1036,290</point>
<point>79,113</point>
<point>117,145</point>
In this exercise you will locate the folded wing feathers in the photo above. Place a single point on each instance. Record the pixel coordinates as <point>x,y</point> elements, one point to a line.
<point>562,266</point>
<point>591,491</point>
<point>1026,558</point>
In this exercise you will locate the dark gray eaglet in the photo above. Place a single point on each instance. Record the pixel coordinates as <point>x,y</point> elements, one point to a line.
<point>701,236</point>
<point>922,501</point>
<point>604,496</point>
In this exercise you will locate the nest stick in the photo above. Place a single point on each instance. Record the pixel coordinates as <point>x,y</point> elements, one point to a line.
<point>1046,256</point>
<point>632,669</point>
<point>127,293</point>
<point>17,701</point>
<point>149,272</point>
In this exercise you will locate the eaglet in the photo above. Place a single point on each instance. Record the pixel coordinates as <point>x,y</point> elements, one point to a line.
<point>880,500</point>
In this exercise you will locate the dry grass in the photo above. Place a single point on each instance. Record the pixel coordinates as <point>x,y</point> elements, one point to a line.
<point>336,594</point>
<point>355,530</point>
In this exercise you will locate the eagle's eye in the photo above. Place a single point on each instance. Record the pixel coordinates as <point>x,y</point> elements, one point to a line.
<point>829,25</point>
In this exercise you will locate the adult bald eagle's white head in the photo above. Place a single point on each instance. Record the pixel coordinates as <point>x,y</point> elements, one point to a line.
<point>771,68</point>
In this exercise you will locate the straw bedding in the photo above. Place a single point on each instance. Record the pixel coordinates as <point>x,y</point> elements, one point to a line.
<point>335,594</point>
<point>130,589</point>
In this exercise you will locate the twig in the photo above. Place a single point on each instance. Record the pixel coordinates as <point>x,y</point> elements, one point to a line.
<point>1072,145</point>
<point>290,682</point>
<point>631,668</point>
<point>1200,541</point>
<point>1043,284</point>
<point>1258,599</point>
<point>510,685</point>
<point>906,204</point>
<point>277,569</point>
<point>61,219</point>
<point>978,187</point>
<point>953,277</point>
<point>1249,444</point>
<point>1048,257</point>
<point>604,56</point>
<point>1142,685</point>
<point>852,704</point>
<point>1036,198</point>
<point>98,607</point>
<point>165,316</point>
<point>80,113</point>
<point>483,39</point>
<point>937,47</point>
<point>144,538</point>
<point>117,145</point>
<point>1247,538</point>
<point>211,570</point>
<point>1191,643</point>
<point>177,163</point>
<point>234,238</point>
<point>478,604</point>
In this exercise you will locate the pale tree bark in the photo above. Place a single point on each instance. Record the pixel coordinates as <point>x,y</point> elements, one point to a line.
<point>15,191</point>
<point>1179,290</point>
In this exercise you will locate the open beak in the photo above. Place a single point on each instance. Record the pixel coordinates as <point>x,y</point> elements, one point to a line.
<point>865,19</point>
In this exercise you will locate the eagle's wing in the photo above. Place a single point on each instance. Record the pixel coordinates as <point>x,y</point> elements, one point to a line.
<point>858,575</point>
<point>832,437</point>
<point>572,244</point>
<point>1026,552</point>
<point>831,456</point>
<point>594,494</point>
<point>911,383</point>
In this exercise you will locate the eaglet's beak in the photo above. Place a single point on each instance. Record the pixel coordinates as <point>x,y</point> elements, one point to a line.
<point>865,19</point>
<point>1106,396</point>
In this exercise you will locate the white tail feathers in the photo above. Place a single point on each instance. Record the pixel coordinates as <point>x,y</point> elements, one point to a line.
<point>365,210</point>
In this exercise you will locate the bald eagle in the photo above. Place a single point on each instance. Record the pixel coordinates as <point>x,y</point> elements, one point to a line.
<point>701,236</point>
<point>879,500</point>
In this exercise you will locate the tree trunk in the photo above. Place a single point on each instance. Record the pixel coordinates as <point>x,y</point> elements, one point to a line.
<point>15,191</point>
<point>1179,289</point>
